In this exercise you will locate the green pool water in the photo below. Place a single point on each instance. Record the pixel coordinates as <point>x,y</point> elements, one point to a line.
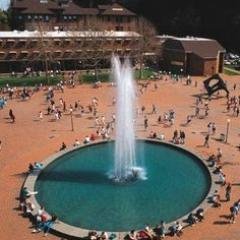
<point>77,189</point>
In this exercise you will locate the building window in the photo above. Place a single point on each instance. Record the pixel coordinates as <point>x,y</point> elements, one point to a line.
<point>20,17</point>
<point>119,28</point>
<point>65,18</point>
<point>29,17</point>
<point>47,18</point>
<point>119,19</point>
<point>35,17</point>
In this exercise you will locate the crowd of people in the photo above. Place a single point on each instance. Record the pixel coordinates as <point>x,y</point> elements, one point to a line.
<point>162,230</point>
<point>104,129</point>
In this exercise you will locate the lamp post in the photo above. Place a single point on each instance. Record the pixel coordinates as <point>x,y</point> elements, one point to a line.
<point>227,131</point>
<point>71,111</point>
<point>181,70</point>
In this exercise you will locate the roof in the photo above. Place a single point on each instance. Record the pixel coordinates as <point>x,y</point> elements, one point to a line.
<point>116,9</point>
<point>71,8</point>
<point>64,34</point>
<point>203,47</point>
<point>35,6</point>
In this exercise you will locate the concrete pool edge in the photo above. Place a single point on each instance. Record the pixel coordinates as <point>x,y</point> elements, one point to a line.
<point>76,232</point>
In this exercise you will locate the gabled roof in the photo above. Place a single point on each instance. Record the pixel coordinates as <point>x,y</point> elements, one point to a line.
<point>71,8</point>
<point>116,9</point>
<point>35,6</point>
<point>202,47</point>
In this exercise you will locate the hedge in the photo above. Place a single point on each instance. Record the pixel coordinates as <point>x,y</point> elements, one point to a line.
<point>29,81</point>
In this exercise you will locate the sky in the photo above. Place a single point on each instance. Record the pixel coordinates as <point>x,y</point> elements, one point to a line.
<point>4,4</point>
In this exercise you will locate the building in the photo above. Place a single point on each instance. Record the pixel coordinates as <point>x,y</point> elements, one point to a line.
<point>63,32</point>
<point>190,55</point>
<point>66,15</point>
<point>69,50</point>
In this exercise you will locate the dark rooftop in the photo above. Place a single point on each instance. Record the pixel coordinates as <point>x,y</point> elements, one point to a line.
<point>68,8</point>
<point>204,48</point>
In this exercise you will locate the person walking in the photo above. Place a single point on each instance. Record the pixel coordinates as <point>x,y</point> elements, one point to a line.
<point>228,192</point>
<point>206,142</point>
<point>154,110</point>
<point>11,115</point>
<point>145,123</point>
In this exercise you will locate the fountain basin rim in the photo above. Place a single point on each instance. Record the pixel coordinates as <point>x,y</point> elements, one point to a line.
<point>72,231</point>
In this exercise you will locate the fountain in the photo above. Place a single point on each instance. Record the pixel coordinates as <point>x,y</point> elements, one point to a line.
<point>74,181</point>
<point>124,158</point>
<point>125,161</point>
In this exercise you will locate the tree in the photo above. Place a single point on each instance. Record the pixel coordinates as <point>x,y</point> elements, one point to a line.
<point>93,46</point>
<point>46,47</point>
<point>147,44</point>
<point>4,24</point>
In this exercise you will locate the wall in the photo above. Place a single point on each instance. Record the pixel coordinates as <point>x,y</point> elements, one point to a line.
<point>84,22</point>
<point>173,60</point>
<point>195,65</point>
<point>210,67</point>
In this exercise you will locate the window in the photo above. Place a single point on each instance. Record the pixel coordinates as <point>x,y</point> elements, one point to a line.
<point>119,28</point>
<point>119,19</point>
<point>47,18</point>
<point>20,17</point>
<point>65,18</point>
<point>29,17</point>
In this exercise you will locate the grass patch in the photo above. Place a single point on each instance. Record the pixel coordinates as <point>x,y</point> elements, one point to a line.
<point>103,77</point>
<point>231,72</point>
<point>28,81</point>
<point>146,73</point>
<point>106,77</point>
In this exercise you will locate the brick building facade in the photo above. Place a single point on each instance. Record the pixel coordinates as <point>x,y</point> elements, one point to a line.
<point>190,55</point>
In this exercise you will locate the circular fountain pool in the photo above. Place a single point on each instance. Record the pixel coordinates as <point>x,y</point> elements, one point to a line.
<point>77,189</point>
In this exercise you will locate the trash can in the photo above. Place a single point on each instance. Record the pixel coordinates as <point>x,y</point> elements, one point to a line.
<point>222,137</point>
